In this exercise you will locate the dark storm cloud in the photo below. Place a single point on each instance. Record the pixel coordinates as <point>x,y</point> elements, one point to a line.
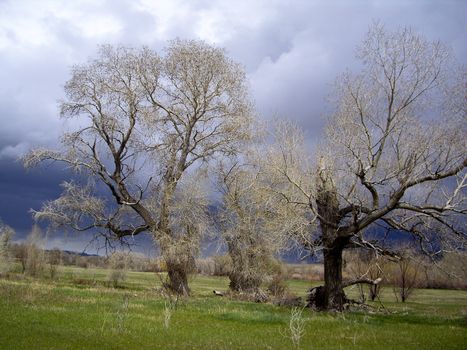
<point>292,51</point>
<point>24,190</point>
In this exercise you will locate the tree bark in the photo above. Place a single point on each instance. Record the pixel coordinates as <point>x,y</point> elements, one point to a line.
<point>178,279</point>
<point>176,252</point>
<point>180,261</point>
<point>334,296</point>
<point>331,296</point>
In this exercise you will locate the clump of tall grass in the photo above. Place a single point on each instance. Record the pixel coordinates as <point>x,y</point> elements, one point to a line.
<point>296,326</point>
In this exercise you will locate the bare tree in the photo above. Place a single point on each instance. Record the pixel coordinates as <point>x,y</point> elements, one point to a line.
<point>405,274</point>
<point>141,121</point>
<point>250,226</point>
<point>394,158</point>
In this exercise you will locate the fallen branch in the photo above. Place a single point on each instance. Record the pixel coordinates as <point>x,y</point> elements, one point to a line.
<point>363,280</point>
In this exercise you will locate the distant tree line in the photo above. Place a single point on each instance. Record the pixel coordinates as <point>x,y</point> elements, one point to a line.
<point>402,276</point>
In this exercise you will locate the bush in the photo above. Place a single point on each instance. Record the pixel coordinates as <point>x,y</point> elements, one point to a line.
<point>205,266</point>
<point>117,263</point>
<point>35,256</point>
<point>6,258</point>
<point>222,265</point>
<point>277,286</point>
<point>309,272</point>
<point>150,265</point>
<point>448,273</point>
<point>161,265</point>
<point>54,258</point>
<point>405,275</point>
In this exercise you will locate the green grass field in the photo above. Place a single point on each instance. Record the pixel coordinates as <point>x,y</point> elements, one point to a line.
<point>79,311</point>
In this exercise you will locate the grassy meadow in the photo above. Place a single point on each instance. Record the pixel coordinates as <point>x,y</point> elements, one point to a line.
<point>80,310</point>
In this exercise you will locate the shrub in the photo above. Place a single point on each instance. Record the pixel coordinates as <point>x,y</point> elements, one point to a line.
<point>117,264</point>
<point>360,263</point>
<point>161,265</point>
<point>35,257</point>
<point>404,274</point>
<point>150,265</point>
<point>222,265</point>
<point>54,258</point>
<point>309,272</point>
<point>448,273</point>
<point>6,258</point>
<point>205,266</point>
<point>82,261</point>
<point>277,286</point>
<point>296,326</point>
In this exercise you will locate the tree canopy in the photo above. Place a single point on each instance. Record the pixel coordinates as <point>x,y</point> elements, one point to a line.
<point>393,159</point>
<point>140,121</point>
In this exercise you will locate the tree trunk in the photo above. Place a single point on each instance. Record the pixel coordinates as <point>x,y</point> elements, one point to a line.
<point>334,296</point>
<point>180,262</point>
<point>178,279</point>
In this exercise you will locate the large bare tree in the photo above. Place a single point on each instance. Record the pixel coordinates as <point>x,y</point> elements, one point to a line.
<point>393,161</point>
<point>140,121</point>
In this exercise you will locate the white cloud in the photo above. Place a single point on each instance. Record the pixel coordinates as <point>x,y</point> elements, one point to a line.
<point>34,24</point>
<point>167,15</point>
<point>97,26</point>
<point>222,21</point>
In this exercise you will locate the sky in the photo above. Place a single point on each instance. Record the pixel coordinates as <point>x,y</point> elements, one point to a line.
<point>291,50</point>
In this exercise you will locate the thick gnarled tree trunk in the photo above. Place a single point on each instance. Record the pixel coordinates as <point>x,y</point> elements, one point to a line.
<point>180,263</point>
<point>177,250</point>
<point>178,254</point>
<point>332,295</point>
<point>177,279</point>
